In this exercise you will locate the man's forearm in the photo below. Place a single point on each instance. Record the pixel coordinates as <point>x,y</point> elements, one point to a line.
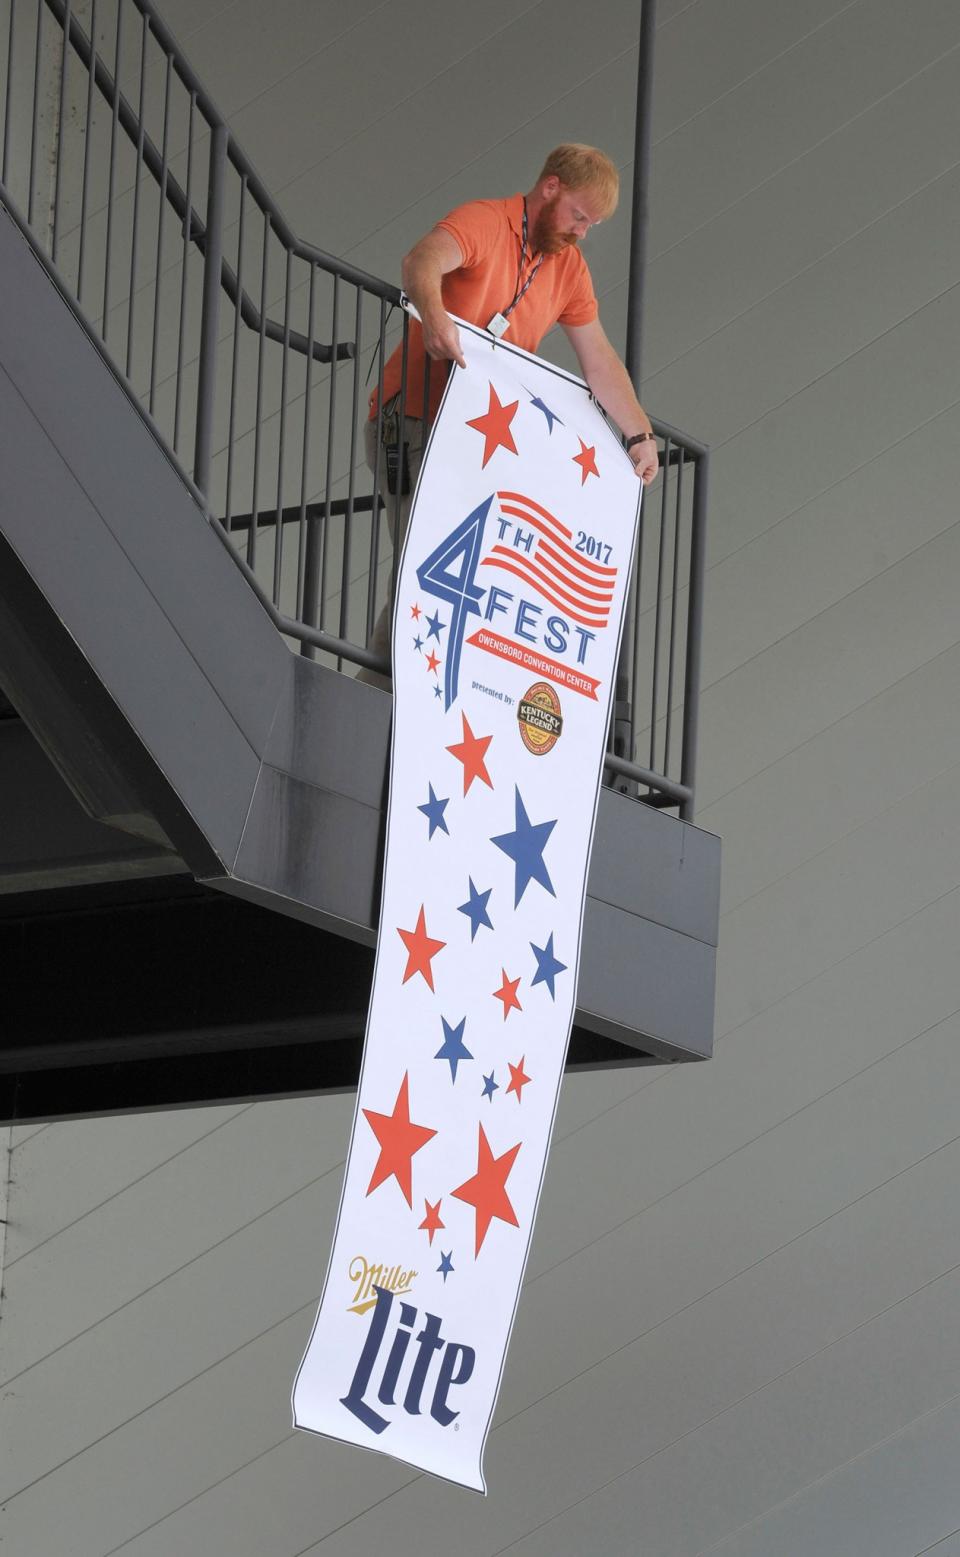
<point>610,383</point>
<point>422,280</point>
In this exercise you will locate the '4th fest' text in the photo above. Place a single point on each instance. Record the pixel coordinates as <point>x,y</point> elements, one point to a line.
<point>449,574</point>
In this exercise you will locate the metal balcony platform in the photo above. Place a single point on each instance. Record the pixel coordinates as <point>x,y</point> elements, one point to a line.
<point>192,746</point>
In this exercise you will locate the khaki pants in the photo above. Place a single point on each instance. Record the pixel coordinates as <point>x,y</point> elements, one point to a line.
<point>398,517</point>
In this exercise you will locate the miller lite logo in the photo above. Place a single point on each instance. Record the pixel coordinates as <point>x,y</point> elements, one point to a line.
<point>385,1372</point>
<point>367,1278</point>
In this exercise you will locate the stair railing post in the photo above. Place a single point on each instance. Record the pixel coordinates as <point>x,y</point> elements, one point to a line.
<point>691,687</point>
<point>210,311</point>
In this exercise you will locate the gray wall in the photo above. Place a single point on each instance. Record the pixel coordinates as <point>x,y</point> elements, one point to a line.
<point>739,1334</point>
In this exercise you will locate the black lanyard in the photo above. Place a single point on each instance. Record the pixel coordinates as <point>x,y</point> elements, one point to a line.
<point>520,292</point>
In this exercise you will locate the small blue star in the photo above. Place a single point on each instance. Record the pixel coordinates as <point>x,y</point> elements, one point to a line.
<point>438,691</point>
<point>418,643</point>
<point>433,810</point>
<point>525,846</point>
<point>435,626</point>
<point>490,1086</point>
<point>550,415</point>
<point>445,1268</point>
<point>453,1047</point>
<point>475,909</point>
<point>547,965</point>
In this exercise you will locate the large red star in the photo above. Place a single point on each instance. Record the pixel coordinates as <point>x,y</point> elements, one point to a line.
<point>508,994</point>
<point>399,1141</point>
<point>471,752</point>
<point>486,1191</point>
<point>420,948</point>
<point>495,426</point>
<point>432,662</point>
<point>587,460</point>
<point>518,1078</point>
<point>431,1223</point>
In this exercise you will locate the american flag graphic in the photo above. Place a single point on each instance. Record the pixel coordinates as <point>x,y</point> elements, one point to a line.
<point>566,578</point>
<point>505,643</point>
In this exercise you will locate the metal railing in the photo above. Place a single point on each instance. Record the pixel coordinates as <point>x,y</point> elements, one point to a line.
<point>251,353</point>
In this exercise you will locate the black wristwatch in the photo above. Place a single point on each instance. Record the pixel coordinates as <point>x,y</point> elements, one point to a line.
<point>640,438</point>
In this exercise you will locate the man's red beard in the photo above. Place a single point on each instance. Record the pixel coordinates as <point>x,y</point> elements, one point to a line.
<point>546,237</point>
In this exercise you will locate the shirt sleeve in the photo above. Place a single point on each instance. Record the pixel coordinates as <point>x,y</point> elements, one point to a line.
<point>580,306</point>
<point>477,227</point>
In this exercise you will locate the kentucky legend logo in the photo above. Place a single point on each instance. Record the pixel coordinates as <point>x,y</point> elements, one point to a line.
<point>539,719</point>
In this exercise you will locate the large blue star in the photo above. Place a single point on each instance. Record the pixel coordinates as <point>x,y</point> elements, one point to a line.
<point>446,1267</point>
<point>433,810</point>
<point>547,965</point>
<point>551,416</point>
<point>435,626</point>
<point>525,846</point>
<point>453,1047</point>
<point>490,1086</point>
<point>475,909</point>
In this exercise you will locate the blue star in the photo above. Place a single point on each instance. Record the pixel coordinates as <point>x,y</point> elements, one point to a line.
<point>438,690</point>
<point>445,1268</point>
<point>525,846</point>
<point>453,1047</point>
<point>475,909</point>
<point>547,965</point>
<point>433,811</point>
<point>435,625</point>
<point>490,1086</point>
<point>418,643</point>
<point>550,415</point>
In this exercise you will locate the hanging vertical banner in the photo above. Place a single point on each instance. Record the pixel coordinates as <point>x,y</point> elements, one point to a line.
<point>509,609</point>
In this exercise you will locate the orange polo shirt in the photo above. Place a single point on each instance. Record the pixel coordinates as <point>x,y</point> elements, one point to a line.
<point>489,233</point>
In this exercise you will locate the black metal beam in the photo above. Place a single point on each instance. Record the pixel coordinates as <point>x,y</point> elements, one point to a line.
<point>146,995</point>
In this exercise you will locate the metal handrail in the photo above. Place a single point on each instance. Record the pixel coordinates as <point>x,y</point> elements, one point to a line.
<point>196,232</point>
<point>204,234</point>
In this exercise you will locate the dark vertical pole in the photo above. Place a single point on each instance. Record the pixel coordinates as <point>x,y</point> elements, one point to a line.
<point>643,135</point>
<point>210,314</point>
<point>622,737</point>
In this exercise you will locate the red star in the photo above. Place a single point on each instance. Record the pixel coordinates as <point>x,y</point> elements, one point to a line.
<point>431,1223</point>
<point>415,612</point>
<point>432,662</point>
<point>420,948</point>
<point>495,426</point>
<point>508,994</point>
<point>518,1080</point>
<point>399,1141</point>
<point>486,1191</point>
<point>587,460</point>
<point>471,752</point>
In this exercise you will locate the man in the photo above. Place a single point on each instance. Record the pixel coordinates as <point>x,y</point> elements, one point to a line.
<point>514,267</point>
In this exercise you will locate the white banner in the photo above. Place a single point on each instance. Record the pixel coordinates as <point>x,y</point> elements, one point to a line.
<point>509,609</point>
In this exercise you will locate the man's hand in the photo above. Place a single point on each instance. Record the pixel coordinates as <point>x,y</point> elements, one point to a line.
<point>645,460</point>
<point>423,271</point>
<point>441,338</point>
<point>610,383</point>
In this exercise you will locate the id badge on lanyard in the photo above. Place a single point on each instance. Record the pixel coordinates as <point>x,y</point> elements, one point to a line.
<point>500,323</point>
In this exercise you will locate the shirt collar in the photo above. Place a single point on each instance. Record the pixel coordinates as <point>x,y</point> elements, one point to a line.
<point>514,205</point>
